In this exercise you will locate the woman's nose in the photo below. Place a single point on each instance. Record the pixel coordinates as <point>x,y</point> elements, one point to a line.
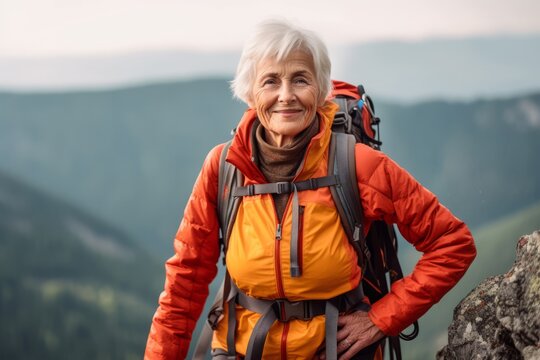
<point>286,93</point>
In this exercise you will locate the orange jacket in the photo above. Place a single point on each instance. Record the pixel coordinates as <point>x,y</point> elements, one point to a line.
<point>259,264</point>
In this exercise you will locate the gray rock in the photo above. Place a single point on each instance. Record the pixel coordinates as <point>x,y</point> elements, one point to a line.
<point>475,332</point>
<point>500,318</point>
<point>518,300</point>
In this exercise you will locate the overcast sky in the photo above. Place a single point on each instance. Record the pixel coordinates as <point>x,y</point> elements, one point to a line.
<point>36,28</point>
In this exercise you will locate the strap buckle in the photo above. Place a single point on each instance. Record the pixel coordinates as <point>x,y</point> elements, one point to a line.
<point>342,120</point>
<point>286,310</point>
<point>283,187</point>
<point>214,316</point>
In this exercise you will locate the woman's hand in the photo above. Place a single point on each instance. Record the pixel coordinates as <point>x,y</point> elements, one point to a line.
<point>356,331</point>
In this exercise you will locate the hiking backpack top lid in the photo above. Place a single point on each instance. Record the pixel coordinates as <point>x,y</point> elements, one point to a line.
<point>356,114</point>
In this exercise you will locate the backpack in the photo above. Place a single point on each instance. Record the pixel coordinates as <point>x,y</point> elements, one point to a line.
<point>355,122</point>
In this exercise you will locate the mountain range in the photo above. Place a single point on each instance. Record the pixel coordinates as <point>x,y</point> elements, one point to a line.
<point>92,186</point>
<point>130,156</point>
<point>449,68</point>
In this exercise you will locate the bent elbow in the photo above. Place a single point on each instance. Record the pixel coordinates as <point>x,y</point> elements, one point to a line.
<point>468,251</point>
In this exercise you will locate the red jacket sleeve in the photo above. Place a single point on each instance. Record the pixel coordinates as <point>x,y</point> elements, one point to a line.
<point>189,272</point>
<point>388,192</point>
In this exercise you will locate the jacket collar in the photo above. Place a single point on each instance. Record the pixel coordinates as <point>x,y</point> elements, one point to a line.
<point>241,150</point>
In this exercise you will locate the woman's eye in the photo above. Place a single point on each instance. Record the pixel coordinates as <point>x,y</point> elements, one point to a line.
<point>300,81</point>
<point>269,82</point>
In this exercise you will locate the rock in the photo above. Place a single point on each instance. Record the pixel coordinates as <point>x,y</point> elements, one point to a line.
<point>476,332</point>
<point>500,318</point>
<point>518,301</point>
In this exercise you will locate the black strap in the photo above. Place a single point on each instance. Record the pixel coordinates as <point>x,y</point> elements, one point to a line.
<point>382,241</point>
<point>394,347</point>
<point>284,187</point>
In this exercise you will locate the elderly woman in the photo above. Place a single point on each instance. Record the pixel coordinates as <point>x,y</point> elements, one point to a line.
<point>284,77</point>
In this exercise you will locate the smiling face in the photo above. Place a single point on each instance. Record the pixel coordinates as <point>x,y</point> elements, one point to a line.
<point>286,95</point>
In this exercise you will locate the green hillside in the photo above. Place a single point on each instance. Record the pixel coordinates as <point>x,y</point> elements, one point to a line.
<point>71,286</point>
<point>131,155</point>
<point>479,157</point>
<point>496,242</point>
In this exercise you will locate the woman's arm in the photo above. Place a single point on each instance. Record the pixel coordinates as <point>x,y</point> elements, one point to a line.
<point>388,192</point>
<point>189,272</point>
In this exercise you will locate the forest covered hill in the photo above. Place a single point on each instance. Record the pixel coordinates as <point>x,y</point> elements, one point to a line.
<point>71,285</point>
<point>131,155</point>
<point>92,187</point>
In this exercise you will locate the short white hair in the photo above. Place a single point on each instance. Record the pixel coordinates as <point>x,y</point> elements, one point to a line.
<point>278,39</point>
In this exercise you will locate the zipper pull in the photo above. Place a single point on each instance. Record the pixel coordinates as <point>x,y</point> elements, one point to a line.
<point>278,232</point>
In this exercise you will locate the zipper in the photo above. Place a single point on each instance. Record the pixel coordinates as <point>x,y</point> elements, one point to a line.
<point>277,252</point>
<point>277,259</point>
<point>279,280</point>
<point>284,335</point>
<point>279,231</point>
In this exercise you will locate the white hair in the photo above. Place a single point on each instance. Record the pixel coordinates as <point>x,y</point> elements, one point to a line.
<point>278,39</point>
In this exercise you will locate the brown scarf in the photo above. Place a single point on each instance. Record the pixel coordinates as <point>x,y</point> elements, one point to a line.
<point>282,163</point>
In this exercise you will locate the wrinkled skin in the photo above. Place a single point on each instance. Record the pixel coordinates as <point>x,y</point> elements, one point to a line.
<point>286,96</point>
<point>356,331</point>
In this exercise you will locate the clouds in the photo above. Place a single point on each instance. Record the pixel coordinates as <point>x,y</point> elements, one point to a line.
<point>69,27</point>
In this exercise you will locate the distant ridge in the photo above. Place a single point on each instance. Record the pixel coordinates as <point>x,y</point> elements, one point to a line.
<point>131,155</point>
<point>398,71</point>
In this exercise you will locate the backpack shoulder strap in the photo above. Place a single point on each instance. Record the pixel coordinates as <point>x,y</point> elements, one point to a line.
<point>342,163</point>
<point>227,205</point>
<point>229,178</point>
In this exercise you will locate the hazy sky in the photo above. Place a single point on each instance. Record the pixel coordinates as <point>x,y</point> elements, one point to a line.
<point>30,28</point>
